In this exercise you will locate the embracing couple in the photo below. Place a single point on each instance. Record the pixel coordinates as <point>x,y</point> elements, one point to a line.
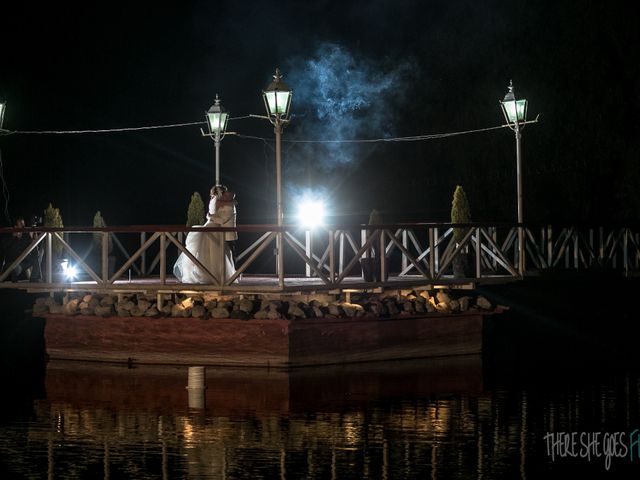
<point>211,249</point>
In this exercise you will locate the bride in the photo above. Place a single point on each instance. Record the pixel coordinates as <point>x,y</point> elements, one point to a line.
<point>210,248</point>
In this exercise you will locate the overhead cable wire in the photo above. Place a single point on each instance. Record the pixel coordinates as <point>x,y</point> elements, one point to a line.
<point>103,130</point>
<point>413,138</point>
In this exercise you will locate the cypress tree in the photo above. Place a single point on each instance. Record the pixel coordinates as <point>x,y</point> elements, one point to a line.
<point>460,212</point>
<point>195,213</point>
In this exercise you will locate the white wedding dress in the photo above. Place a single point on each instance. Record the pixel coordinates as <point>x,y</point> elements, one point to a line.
<point>210,249</point>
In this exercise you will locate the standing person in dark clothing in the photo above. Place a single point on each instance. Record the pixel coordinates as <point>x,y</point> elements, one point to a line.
<point>14,246</point>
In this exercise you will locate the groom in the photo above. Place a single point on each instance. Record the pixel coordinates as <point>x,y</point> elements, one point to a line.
<point>223,206</point>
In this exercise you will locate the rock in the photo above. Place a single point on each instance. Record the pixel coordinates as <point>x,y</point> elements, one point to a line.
<point>167,308</point>
<point>296,312</point>
<point>125,305</point>
<point>240,314</point>
<point>483,303</point>
<point>352,309</point>
<point>307,309</point>
<point>260,314</point>
<point>219,312</point>
<point>87,311</point>
<point>71,306</point>
<point>246,305</point>
<point>431,305</point>
<point>335,310</point>
<point>187,303</point>
<point>196,299</point>
<point>103,311</point>
<point>107,300</point>
<point>49,301</point>
<point>41,301</point>
<point>408,306</point>
<point>87,298</point>
<point>464,303</point>
<point>40,308</point>
<point>424,294</point>
<point>442,307</point>
<point>374,307</point>
<point>211,304</point>
<point>317,312</point>
<point>121,312</point>
<point>198,311</point>
<point>420,307</point>
<point>275,306</point>
<point>144,305</point>
<point>56,309</point>
<point>179,311</point>
<point>454,305</point>
<point>392,308</point>
<point>152,312</point>
<point>442,297</point>
<point>273,314</point>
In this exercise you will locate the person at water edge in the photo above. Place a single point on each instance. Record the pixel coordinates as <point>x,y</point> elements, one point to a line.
<point>14,246</point>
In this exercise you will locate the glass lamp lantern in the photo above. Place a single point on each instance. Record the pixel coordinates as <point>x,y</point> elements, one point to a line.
<point>217,118</point>
<point>277,98</point>
<point>513,110</point>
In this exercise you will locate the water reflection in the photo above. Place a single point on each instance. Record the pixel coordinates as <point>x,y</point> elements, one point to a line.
<point>429,419</point>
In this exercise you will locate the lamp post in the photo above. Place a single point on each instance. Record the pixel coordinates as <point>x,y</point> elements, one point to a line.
<point>515,113</point>
<point>277,101</point>
<point>3,105</point>
<point>217,120</point>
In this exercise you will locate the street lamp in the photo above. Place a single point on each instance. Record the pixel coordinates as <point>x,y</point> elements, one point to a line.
<point>217,120</point>
<point>515,113</point>
<point>3,105</point>
<point>277,101</point>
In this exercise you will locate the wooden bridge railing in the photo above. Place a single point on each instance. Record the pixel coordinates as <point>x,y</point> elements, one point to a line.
<point>328,258</point>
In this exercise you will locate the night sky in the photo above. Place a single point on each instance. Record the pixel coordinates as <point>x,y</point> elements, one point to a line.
<point>359,70</point>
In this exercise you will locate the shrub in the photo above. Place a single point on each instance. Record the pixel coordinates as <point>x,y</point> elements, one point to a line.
<point>98,222</point>
<point>460,212</point>
<point>195,213</point>
<point>52,218</point>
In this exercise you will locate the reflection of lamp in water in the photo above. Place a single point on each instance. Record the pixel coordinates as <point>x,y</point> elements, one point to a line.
<point>196,387</point>
<point>440,414</point>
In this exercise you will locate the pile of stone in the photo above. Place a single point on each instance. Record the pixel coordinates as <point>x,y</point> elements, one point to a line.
<point>244,308</point>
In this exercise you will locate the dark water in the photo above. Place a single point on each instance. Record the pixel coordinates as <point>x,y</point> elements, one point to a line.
<point>482,417</point>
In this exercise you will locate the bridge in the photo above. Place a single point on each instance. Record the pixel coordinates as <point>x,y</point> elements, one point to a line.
<point>274,260</point>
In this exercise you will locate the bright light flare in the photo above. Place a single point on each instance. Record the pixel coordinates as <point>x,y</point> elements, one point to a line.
<point>311,213</point>
<point>69,271</point>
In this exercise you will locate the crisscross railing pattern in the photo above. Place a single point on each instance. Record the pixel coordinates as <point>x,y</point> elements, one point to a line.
<point>329,258</point>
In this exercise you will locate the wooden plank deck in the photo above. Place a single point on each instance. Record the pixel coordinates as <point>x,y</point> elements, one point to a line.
<point>256,284</point>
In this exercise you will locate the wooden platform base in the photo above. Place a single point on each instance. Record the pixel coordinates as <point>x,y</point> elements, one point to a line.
<point>261,343</point>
